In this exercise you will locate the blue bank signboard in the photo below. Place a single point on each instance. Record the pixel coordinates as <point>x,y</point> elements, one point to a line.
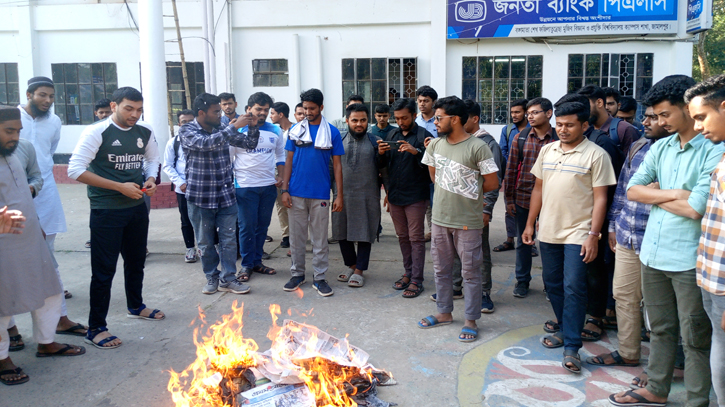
<point>551,18</point>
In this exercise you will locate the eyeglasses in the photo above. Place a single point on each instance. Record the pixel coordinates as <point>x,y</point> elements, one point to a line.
<point>534,112</point>
<point>438,118</point>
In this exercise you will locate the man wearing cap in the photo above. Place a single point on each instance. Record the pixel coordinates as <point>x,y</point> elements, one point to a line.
<point>42,128</point>
<point>27,277</point>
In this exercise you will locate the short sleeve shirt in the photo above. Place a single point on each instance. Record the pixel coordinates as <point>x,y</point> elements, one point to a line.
<point>311,166</point>
<point>568,179</point>
<point>458,198</point>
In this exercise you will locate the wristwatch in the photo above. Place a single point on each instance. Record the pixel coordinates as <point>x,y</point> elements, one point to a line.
<point>598,235</point>
<point>282,191</point>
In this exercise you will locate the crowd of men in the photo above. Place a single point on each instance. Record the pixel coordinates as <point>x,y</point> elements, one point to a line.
<point>626,213</point>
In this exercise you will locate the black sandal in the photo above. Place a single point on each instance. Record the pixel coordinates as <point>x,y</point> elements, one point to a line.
<point>572,356</point>
<point>15,348</point>
<point>554,327</point>
<point>593,336</point>
<point>262,269</point>
<point>503,247</point>
<point>400,284</point>
<point>415,292</point>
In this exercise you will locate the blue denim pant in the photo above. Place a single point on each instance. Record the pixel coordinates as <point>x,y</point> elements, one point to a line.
<point>565,277</point>
<point>523,251</point>
<point>206,223</point>
<point>254,207</point>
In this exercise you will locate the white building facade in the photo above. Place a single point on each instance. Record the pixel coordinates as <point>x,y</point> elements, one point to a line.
<point>381,50</point>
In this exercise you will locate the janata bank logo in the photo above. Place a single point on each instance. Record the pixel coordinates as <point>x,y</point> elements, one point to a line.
<point>470,11</point>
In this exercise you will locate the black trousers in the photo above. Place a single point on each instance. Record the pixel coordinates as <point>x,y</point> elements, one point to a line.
<point>114,232</point>
<point>187,230</point>
<point>360,259</point>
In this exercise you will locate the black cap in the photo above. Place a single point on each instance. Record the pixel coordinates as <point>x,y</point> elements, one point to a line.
<point>40,81</point>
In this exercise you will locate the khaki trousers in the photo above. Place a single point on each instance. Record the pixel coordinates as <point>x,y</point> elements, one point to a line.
<point>627,290</point>
<point>282,215</point>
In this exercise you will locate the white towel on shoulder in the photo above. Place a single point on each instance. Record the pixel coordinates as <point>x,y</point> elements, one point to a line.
<point>300,135</point>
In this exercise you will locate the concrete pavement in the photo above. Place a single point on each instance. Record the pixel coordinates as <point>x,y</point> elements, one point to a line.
<point>505,367</point>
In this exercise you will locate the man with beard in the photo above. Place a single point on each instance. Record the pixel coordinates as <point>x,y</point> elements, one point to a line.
<point>117,158</point>
<point>622,133</point>
<point>358,221</point>
<point>508,136</point>
<point>570,202</point>
<point>682,165</point>
<point>463,170</point>
<point>256,185</point>
<point>312,144</point>
<point>28,282</point>
<point>612,97</point>
<point>407,192</point>
<point>627,223</point>
<point>706,102</point>
<point>42,129</point>
<point>210,193</point>
<point>229,108</point>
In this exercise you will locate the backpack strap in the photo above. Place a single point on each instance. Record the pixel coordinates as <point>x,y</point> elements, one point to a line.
<point>636,146</point>
<point>521,140</point>
<point>613,131</point>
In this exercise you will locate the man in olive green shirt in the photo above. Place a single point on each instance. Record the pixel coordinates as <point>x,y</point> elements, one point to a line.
<point>463,169</point>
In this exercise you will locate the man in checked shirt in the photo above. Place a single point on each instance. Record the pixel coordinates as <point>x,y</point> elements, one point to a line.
<point>210,191</point>
<point>707,107</point>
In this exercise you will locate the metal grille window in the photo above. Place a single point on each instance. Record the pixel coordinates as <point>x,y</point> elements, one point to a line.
<point>630,74</point>
<point>379,80</point>
<point>495,82</point>
<point>79,86</point>
<point>270,72</point>
<point>175,84</point>
<point>9,88</point>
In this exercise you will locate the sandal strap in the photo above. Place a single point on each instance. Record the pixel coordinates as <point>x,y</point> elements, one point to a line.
<point>617,358</point>
<point>596,322</point>
<point>106,340</point>
<point>138,310</point>
<point>153,313</point>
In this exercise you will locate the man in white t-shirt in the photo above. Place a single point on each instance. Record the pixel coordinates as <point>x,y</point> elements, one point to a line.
<point>256,185</point>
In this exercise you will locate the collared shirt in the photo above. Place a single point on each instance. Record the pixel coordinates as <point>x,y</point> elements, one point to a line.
<point>507,139</point>
<point>670,241</point>
<point>567,190</point>
<point>519,181</point>
<point>226,120</point>
<point>711,253</point>
<point>628,219</point>
<point>427,124</point>
<point>382,133</point>
<point>208,164</point>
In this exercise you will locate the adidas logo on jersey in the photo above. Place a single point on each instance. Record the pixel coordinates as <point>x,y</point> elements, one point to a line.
<point>116,144</point>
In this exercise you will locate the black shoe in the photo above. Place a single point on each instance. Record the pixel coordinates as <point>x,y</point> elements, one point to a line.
<point>521,290</point>
<point>268,239</point>
<point>457,295</point>
<point>322,288</point>
<point>294,283</point>
<point>285,242</point>
<point>266,256</point>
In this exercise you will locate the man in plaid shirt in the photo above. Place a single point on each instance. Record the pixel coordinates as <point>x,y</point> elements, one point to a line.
<point>707,107</point>
<point>210,191</point>
<point>627,223</point>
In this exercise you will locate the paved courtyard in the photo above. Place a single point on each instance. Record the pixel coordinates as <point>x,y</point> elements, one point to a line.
<point>506,367</point>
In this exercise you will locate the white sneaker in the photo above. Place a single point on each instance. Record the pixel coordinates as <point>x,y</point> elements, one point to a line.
<point>191,256</point>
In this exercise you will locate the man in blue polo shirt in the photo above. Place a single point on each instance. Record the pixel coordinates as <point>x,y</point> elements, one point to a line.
<point>306,189</point>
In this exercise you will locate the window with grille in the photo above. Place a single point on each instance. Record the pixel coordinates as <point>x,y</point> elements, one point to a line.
<point>495,82</point>
<point>380,81</point>
<point>630,74</point>
<point>9,88</point>
<point>175,84</point>
<point>79,86</point>
<point>270,72</point>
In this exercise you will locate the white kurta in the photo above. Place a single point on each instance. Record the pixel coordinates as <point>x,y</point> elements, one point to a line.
<point>44,133</point>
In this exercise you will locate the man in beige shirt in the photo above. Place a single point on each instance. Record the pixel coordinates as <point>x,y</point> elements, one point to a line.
<point>570,199</point>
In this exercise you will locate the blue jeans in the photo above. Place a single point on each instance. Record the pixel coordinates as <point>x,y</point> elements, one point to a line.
<point>565,278</point>
<point>206,223</point>
<point>254,208</point>
<point>523,251</point>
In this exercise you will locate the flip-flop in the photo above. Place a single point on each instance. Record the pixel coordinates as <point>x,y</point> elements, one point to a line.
<point>16,348</point>
<point>572,356</point>
<point>637,379</point>
<point>345,275</point>
<point>618,361</point>
<point>17,371</point>
<point>432,322</point>
<point>356,280</point>
<point>641,401</point>
<point>62,352</point>
<point>73,331</point>
<point>468,331</point>
<point>136,314</point>
<point>556,339</point>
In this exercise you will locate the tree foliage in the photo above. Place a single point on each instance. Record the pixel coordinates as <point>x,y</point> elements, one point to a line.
<point>714,44</point>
